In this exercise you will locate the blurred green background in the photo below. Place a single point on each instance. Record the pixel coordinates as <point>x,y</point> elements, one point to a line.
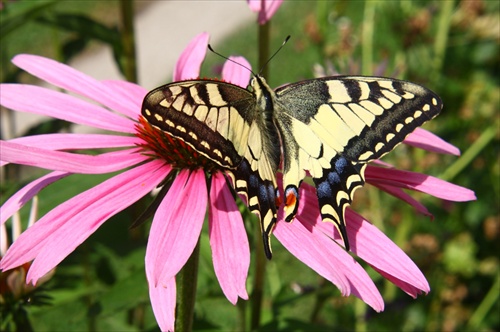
<point>451,47</point>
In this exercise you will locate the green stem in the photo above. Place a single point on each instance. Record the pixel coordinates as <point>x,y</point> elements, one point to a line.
<point>128,60</point>
<point>367,37</point>
<point>360,312</point>
<point>186,291</point>
<point>486,137</point>
<point>260,257</point>
<point>242,318</point>
<point>441,38</point>
<point>264,49</point>
<point>258,282</point>
<point>488,302</point>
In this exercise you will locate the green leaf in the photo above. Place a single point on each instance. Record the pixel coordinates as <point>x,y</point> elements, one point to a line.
<point>17,14</point>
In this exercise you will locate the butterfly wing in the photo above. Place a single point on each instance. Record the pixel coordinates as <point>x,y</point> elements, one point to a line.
<point>331,127</point>
<point>220,121</point>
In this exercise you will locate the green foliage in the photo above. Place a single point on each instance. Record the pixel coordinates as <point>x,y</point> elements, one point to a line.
<point>453,50</point>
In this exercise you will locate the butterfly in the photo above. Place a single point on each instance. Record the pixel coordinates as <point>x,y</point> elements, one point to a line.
<point>327,128</point>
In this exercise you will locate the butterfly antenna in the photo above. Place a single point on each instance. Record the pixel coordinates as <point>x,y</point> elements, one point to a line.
<point>228,59</point>
<point>274,54</point>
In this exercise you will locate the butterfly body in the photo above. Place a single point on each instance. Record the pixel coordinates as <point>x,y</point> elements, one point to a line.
<point>328,128</point>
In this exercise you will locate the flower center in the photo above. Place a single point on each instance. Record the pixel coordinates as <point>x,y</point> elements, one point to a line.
<point>174,151</point>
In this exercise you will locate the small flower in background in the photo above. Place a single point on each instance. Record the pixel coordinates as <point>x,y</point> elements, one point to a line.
<point>14,290</point>
<point>265,8</point>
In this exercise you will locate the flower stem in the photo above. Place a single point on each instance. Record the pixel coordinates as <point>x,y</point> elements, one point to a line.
<point>264,49</point>
<point>367,37</point>
<point>128,60</point>
<point>186,291</point>
<point>486,305</point>
<point>442,38</point>
<point>486,137</point>
<point>258,282</point>
<point>260,258</point>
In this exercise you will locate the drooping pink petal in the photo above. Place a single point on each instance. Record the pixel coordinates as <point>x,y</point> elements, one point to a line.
<point>163,297</point>
<point>176,226</point>
<point>399,193</point>
<point>71,79</point>
<point>236,74</point>
<point>420,182</point>
<point>66,141</point>
<point>65,227</point>
<point>426,140</point>
<point>228,240</point>
<point>38,100</point>
<point>70,162</point>
<point>365,240</point>
<point>189,63</point>
<point>324,256</point>
<point>404,286</point>
<point>24,195</point>
<point>265,8</point>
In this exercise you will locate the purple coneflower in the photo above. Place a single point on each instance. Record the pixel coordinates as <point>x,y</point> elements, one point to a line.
<point>147,157</point>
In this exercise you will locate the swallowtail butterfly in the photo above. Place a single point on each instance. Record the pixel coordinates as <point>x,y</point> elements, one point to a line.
<point>328,128</point>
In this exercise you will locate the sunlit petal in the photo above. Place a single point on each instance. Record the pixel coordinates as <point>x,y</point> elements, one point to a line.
<point>228,240</point>
<point>38,100</point>
<point>163,300</point>
<point>420,182</point>
<point>176,226</point>
<point>424,139</point>
<point>70,79</point>
<point>189,63</point>
<point>236,74</point>
<point>69,162</point>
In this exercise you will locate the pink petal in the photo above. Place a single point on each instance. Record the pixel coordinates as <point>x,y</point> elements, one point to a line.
<point>65,227</point>
<point>404,286</point>
<point>71,79</point>
<point>254,5</point>
<point>163,300</point>
<point>265,8</point>
<point>38,100</point>
<point>132,93</point>
<point>366,241</point>
<point>189,63</point>
<point>323,255</point>
<point>176,226</point>
<point>426,140</point>
<point>228,239</point>
<point>24,195</point>
<point>70,162</point>
<point>420,182</point>
<point>77,141</point>
<point>236,74</point>
<point>399,193</point>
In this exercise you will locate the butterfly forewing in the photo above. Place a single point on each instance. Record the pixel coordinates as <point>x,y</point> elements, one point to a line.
<point>331,127</point>
<point>207,115</point>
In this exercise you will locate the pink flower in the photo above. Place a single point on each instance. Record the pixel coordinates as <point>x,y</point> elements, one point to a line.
<point>177,222</point>
<point>265,8</point>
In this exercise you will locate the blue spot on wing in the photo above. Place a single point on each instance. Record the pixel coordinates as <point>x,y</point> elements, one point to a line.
<point>323,190</point>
